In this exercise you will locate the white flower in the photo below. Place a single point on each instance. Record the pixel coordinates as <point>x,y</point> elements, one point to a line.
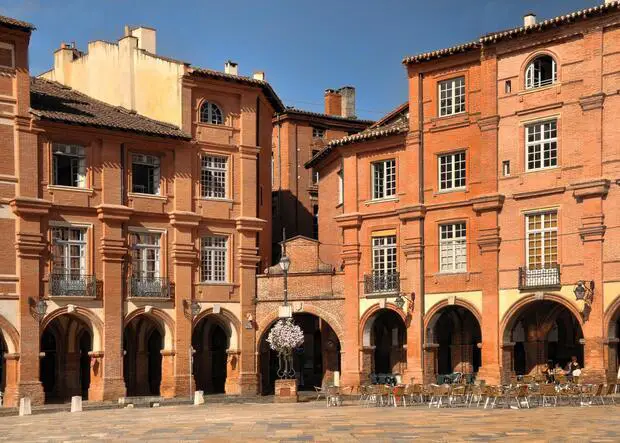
<point>285,335</point>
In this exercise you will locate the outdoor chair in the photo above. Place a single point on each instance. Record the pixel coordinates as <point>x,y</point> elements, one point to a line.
<point>438,394</point>
<point>492,394</point>
<point>398,396</point>
<point>549,395</point>
<point>320,392</point>
<point>475,394</point>
<point>333,396</point>
<point>414,392</point>
<point>609,394</point>
<point>372,395</point>
<point>598,394</point>
<point>458,395</point>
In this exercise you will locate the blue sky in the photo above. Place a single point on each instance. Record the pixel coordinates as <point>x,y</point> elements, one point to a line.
<point>303,46</point>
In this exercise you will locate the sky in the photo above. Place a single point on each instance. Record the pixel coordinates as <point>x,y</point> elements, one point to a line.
<point>304,46</point>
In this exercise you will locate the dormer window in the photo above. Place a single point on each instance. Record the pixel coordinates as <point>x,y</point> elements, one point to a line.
<point>541,72</point>
<point>211,113</point>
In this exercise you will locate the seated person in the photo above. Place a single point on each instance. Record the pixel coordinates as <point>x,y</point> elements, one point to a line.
<point>572,365</point>
<point>557,370</point>
<point>547,372</point>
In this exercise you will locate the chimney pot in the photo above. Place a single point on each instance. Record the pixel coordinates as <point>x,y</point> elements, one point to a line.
<point>348,101</point>
<point>127,31</point>
<point>259,75</point>
<point>333,102</point>
<point>231,67</point>
<point>147,38</point>
<point>529,19</point>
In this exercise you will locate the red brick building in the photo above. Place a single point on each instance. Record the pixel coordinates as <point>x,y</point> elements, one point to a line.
<point>482,237</point>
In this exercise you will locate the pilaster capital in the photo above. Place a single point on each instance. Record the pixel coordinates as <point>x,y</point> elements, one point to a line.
<point>411,213</point>
<point>413,248</point>
<point>591,102</point>
<point>489,123</point>
<point>350,220</point>
<point>184,219</point>
<point>489,240</point>
<point>249,151</point>
<point>95,354</point>
<point>590,188</point>
<point>12,356</point>
<point>592,228</point>
<point>249,224</point>
<point>183,254</point>
<point>27,206</point>
<point>414,137</point>
<point>488,203</point>
<point>351,255</point>
<point>113,213</point>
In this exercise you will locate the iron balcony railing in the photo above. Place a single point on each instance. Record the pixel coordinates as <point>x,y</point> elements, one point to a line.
<point>548,277</point>
<point>151,287</point>
<point>72,285</point>
<point>379,282</point>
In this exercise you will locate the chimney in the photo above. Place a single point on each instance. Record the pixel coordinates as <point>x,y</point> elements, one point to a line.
<point>348,101</point>
<point>529,19</point>
<point>333,102</point>
<point>231,67</point>
<point>259,75</point>
<point>147,38</point>
<point>63,57</point>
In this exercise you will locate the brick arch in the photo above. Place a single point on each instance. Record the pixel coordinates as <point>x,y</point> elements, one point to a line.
<point>612,314</point>
<point>367,320</point>
<point>510,317</point>
<point>217,103</point>
<point>84,314</point>
<point>535,54</point>
<point>332,321</point>
<point>10,334</point>
<point>435,312</point>
<point>160,317</point>
<point>227,320</point>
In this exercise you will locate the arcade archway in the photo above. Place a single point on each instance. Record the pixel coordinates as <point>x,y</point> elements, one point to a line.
<point>542,331</point>
<point>384,339</point>
<point>65,369</point>
<point>453,334</point>
<point>315,362</point>
<point>3,350</point>
<point>142,366</point>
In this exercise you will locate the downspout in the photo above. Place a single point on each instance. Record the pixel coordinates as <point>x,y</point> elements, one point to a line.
<point>296,180</point>
<point>421,193</point>
<point>125,265</point>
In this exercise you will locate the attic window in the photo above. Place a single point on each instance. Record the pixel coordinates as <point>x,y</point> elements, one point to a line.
<point>7,55</point>
<point>541,72</point>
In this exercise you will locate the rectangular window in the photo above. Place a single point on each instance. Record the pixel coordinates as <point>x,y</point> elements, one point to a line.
<point>145,252</point>
<point>315,222</point>
<point>318,133</point>
<point>452,96</point>
<point>315,172</point>
<point>384,179</point>
<point>542,240</point>
<point>68,165</point>
<point>384,255</point>
<point>506,168</point>
<point>453,248</point>
<point>541,141</point>
<point>341,186</point>
<point>7,55</point>
<point>452,171</point>
<point>213,176</point>
<point>213,253</point>
<point>145,174</point>
<point>69,251</point>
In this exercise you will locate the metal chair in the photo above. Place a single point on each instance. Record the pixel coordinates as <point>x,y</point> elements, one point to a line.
<point>333,397</point>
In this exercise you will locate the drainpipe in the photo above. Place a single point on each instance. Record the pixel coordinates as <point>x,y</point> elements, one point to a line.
<point>421,190</point>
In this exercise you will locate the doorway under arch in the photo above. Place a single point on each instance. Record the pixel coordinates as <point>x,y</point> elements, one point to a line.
<point>384,338</point>
<point>543,331</point>
<point>142,365</point>
<point>65,367</point>
<point>3,350</point>
<point>314,362</point>
<point>211,342</point>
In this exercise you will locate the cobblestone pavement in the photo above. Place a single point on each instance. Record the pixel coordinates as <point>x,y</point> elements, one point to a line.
<point>313,422</point>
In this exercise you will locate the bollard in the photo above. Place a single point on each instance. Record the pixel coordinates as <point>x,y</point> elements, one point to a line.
<point>199,398</point>
<point>25,407</point>
<point>76,403</point>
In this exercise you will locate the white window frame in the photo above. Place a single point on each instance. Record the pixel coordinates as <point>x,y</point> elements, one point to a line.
<point>533,78</point>
<point>12,49</point>
<point>209,250</point>
<point>151,161</point>
<point>454,247</point>
<point>384,174</point>
<point>454,89</point>
<point>544,146</point>
<point>214,115</point>
<point>318,132</point>
<point>450,182</point>
<point>384,255</point>
<point>545,237</point>
<point>341,186</point>
<point>140,259</point>
<point>216,166</point>
<point>66,246</point>
<point>77,153</point>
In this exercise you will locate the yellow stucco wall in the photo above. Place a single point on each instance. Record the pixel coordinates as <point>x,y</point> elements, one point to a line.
<point>611,292</point>
<point>472,297</point>
<point>508,297</point>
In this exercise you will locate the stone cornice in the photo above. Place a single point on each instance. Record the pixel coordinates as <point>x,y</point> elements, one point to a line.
<point>487,203</point>
<point>538,193</point>
<point>184,218</point>
<point>249,150</point>
<point>27,206</point>
<point>249,224</point>
<point>119,213</point>
<point>594,101</point>
<point>411,213</point>
<point>593,188</point>
<point>489,123</point>
<point>350,220</point>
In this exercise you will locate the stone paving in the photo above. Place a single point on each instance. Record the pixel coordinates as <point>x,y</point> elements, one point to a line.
<point>312,421</point>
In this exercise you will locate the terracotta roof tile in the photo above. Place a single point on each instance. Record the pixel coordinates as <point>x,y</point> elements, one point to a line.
<point>55,102</point>
<point>293,110</point>
<point>14,23</point>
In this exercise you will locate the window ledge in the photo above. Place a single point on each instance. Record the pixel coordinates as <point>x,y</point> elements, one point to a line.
<point>549,168</point>
<point>441,273</point>
<point>215,199</point>
<point>381,200</point>
<point>71,297</point>
<point>134,298</point>
<point>211,125</point>
<point>540,88</point>
<point>452,190</point>
<point>148,196</point>
<point>70,188</point>
<point>448,116</point>
<point>215,283</point>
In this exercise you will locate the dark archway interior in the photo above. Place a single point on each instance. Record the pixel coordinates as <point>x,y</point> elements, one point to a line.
<point>210,341</point>
<point>457,332</point>
<point>545,331</point>
<point>143,342</point>
<point>388,336</point>
<point>3,350</point>
<point>315,362</point>
<point>65,366</point>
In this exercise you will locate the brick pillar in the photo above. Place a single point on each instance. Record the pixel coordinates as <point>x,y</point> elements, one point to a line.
<point>612,359</point>
<point>430,362</point>
<point>232,372</point>
<point>367,363</point>
<point>168,388</point>
<point>70,374</point>
<point>507,362</point>
<point>11,391</point>
<point>113,250</point>
<point>95,390</point>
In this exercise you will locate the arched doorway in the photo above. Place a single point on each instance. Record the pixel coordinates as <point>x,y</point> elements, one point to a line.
<point>543,331</point>
<point>453,334</point>
<point>65,366</point>
<point>315,361</point>
<point>210,341</point>
<point>3,350</point>
<point>384,339</point>
<point>143,342</point>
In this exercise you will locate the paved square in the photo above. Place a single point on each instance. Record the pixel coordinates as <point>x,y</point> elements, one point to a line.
<point>313,422</point>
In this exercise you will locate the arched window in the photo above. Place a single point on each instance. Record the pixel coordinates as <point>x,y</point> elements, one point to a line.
<point>541,72</point>
<point>211,113</point>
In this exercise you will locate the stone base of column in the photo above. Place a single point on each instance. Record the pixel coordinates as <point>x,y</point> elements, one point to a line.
<point>109,389</point>
<point>231,387</point>
<point>247,384</point>
<point>286,391</point>
<point>33,389</point>
<point>491,374</point>
<point>179,386</point>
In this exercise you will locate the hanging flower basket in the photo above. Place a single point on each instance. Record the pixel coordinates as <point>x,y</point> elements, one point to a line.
<point>283,337</point>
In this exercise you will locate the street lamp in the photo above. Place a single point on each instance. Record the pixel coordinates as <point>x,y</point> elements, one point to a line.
<point>584,294</point>
<point>285,264</point>
<point>194,310</point>
<point>400,301</point>
<point>39,308</point>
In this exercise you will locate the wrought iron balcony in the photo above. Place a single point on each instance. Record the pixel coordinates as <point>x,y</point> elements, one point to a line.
<point>150,287</point>
<point>539,278</point>
<point>379,282</point>
<point>72,285</point>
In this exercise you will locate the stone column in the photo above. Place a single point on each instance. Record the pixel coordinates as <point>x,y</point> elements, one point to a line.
<point>612,359</point>
<point>232,372</point>
<point>367,363</point>
<point>168,388</point>
<point>95,390</point>
<point>507,362</point>
<point>430,362</point>
<point>71,375</point>
<point>11,391</point>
